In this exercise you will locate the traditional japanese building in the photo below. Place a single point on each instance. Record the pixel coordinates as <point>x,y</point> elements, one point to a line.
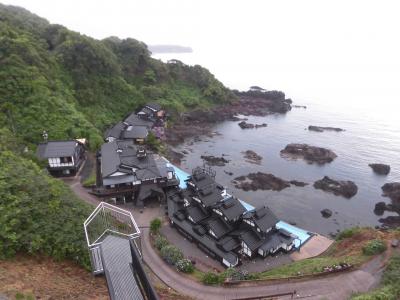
<point>64,158</point>
<point>130,172</point>
<point>220,224</point>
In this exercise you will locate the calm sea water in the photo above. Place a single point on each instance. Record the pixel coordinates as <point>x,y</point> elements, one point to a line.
<point>372,135</point>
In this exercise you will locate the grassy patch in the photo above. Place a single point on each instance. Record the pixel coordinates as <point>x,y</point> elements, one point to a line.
<point>91,180</point>
<point>309,266</point>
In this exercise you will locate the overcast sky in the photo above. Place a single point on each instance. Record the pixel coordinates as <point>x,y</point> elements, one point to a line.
<point>347,44</point>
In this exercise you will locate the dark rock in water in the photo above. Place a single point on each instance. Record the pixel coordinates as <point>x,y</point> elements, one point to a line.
<point>340,188</point>
<point>380,169</point>
<point>228,173</point>
<point>260,181</point>
<point>309,153</point>
<point>185,152</point>
<point>326,213</point>
<point>322,129</point>
<point>245,125</point>
<point>392,190</point>
<point>380,208</point>
<point>298,183</point>
<point>214,160</point>
<point>240,178</point>
<point>252,157</point>
<point>391,221</point>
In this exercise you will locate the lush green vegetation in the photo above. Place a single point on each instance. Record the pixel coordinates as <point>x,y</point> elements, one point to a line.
<point>171,254</point>
<point>155,226</point>
<point>390,285</point>
<point>73,86</point>
<point>185,265</point>
<point>38,214</point>
<point>374,247</point>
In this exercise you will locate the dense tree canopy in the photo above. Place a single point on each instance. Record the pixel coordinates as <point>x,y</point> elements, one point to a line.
<point>73,86</point>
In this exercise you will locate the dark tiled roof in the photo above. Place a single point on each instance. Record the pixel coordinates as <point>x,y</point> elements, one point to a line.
<point>274,239</point>
<point>209,195</point>
<point>263,217</point>
<point>115,131</point>
<point>228,243</point>
<point>202,180</point>
<point>197,213</point>
<point>53,149</point>
<point>231,208</point>
<point>219,227</point>
<point>252,239</point>
<point>154,106</point>
<point>197,232</point>
<point>135,132</point>
<point>121,156</point>
<point>133,119</point>
<point>147,111</point>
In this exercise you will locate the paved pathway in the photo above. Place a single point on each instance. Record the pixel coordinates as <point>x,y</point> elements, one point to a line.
<point>314,247</point>
<point>337,287</point>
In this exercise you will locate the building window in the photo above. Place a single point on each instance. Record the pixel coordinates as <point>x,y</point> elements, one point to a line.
<point>246,249</point>
<point>66,160</point>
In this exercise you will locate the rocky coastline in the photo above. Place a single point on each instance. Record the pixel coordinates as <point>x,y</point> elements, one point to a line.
<point>253,102</point>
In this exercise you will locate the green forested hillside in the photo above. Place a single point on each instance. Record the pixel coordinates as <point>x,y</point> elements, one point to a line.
<point>72,85</point>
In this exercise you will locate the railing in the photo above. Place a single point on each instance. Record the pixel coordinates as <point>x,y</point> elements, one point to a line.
<point>107,218</point>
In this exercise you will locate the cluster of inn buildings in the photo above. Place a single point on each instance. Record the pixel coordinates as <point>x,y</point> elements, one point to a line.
<point>204,212</point>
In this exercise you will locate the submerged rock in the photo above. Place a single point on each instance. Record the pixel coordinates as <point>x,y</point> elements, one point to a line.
<point>228,173</point>
<point>311,154</point>
<point>215,160</point>
<point>322,129</point>
<point>260,181</point>
<point>392,190</point>
<point>245,125</point>
<point>298,183</point>
<point>380,169</point>
<point>252,157</point>
<point>326,213</point>
<point>343,188</point>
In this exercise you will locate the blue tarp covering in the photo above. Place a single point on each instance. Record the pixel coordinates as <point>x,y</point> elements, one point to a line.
<point>302,234</point>
<point>182,175</point>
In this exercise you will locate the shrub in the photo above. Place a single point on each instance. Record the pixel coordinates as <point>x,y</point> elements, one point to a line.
<point>211,278</point>
<point>185,265</point>
<point>374,247</point>
<point>347,233</point>
<point>160,242</point>
<point>171,254</point>
<point>155,226</point>
<point>235,274</point>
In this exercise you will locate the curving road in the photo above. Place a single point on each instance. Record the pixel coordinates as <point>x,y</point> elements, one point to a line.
<point>339,286</point>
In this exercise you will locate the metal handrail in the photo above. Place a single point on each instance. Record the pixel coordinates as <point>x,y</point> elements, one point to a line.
<point>103,206</point>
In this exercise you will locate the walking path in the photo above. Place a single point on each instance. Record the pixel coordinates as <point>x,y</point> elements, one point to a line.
<point>314,247</point>
<point>338,286</point>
